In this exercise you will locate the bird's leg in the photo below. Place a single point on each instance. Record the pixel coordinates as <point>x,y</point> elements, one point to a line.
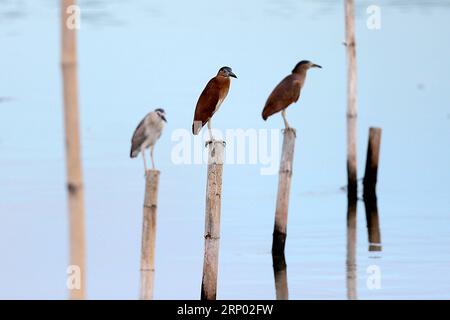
<point>283,114</point>
<point>151,156</point>
<point>210,130</point>
<point>145,162</point>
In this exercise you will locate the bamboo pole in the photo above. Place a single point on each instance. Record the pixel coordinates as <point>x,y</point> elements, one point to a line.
<point>350,43</point>
<point>373,156</point>
<point>149,234</point>
<point>212,219</point>
<point>351,252</point>
<point>284,188</point>
<point>280,275</point>
<point>73,148</point>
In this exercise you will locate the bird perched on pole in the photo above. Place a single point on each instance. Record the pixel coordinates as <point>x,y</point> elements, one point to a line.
<point>146,134</point>
<point>211,98</point>
<point>287,91</point>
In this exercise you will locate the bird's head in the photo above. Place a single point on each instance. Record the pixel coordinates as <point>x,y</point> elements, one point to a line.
<point>305,65</point>
<point>161,113</point>
<point>226,72</point>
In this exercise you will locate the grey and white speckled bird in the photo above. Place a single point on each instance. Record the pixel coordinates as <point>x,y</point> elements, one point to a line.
<point>146,134</point>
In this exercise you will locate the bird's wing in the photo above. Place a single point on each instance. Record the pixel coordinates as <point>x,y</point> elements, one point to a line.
<point>138,138</point>
<point>206,105</point>
<point>285,93</point>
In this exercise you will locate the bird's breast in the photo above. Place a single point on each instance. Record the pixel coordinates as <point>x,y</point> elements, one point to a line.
<point>152,134</point>
<point>219,103</point>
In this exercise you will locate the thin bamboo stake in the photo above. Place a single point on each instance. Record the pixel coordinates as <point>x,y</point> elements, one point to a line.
<point>284,189</point>
<point>373,156</point>
<point>351,252</point>
<point>212,220</point>
<point>73,149</point>
<point>280,274</point>
<point>350,43</point>
<point>149,234</point>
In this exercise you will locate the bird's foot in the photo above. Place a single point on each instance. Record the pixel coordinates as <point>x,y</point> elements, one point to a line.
<point>148,171</point>
<point>288,128</point>
<point>208,142</point>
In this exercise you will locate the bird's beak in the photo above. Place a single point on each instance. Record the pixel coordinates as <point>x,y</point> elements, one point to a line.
<point>164,118</point>
<point>316,66</point>
<point>231,74</point>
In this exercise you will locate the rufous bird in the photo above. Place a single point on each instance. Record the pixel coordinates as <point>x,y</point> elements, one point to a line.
<point>146,134</point>
<point>287,91</point>
<point>211,99</point>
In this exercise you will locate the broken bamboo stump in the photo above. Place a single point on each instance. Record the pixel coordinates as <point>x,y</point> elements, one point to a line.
<point>149,234</point>
<point>212,219</point>
<point>373,156</point>
<point>284,188</point>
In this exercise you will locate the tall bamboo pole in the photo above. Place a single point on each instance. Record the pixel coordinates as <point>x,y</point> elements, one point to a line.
<point>351,99</point>
<point>73,149</point>
<point>149,234</point>
<point>212,220</point>
<point>284,189</point>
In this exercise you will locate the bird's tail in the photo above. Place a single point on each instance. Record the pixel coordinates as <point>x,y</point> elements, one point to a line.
<point>196,127</point>
<point>134,153</point>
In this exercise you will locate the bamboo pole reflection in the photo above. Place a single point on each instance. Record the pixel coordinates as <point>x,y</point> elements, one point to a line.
<point>280,274</point>
<point>373,223</point>
<point>351,270</point>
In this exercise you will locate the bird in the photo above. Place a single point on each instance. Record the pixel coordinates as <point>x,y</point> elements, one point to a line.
<point>287,91</point>
<point>147,133</point>
<point>211,99</point>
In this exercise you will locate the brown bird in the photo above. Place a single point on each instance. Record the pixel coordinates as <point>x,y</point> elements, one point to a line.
<point>211,98</point>
<point>287,91</point>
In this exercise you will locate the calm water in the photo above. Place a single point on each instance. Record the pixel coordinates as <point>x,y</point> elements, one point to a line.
<point>139,55</point>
